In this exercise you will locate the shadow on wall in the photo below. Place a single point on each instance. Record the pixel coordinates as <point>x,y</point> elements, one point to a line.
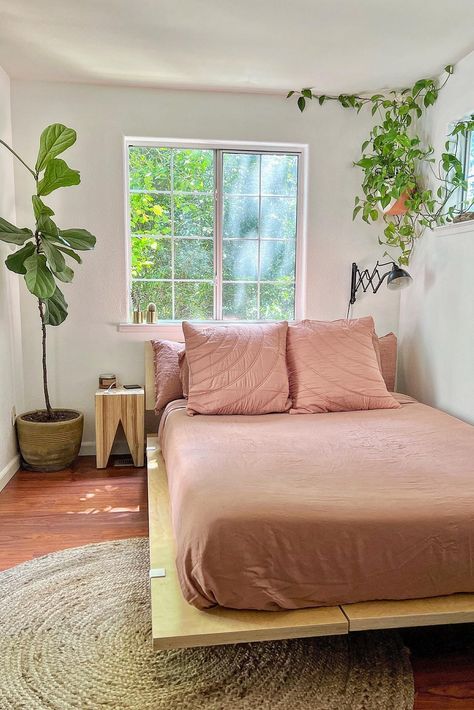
<point>415,375</point>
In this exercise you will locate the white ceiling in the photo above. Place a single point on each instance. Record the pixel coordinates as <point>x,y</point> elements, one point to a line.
<point>237,45</point>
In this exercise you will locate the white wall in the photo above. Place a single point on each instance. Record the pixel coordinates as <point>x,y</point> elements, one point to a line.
<point>11,365</point>
<point>437,313</point>
<point>88,343</point>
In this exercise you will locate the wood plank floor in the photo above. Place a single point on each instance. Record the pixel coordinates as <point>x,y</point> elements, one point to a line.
<point>41,513</point>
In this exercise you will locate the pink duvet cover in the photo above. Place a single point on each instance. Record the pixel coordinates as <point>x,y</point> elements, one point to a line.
<point>280,511</point>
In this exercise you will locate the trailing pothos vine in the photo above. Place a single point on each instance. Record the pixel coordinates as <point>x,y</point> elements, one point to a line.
<point>399,166</point>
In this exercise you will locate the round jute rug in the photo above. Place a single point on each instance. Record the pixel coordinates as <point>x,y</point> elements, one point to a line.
<point>75,633</point>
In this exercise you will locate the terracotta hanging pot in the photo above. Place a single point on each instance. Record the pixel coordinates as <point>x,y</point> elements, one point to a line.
<point>397,205</point>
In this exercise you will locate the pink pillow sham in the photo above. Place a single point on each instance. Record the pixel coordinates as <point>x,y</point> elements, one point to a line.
<point>388,359</point>
<point>168,385</point>
<point>184,372</point>
<point>237,369</point>
<point>333,367</point>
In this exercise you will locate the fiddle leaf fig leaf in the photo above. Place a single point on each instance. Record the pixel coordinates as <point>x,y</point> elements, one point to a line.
<point>46,226</point>
<point>79,239</point>
<point>66,275</point>
<point>57,174</point>
<point>39,279</point>
<point>55,308</point>
<point>13,235</point>
<point>40,208</point>
<point>70,253</point>
<point>55,259</point>
<point>16,261</point>
<point>54,140</point>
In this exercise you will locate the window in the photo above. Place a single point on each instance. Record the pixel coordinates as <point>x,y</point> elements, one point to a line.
<point>214,232</point>
<point>468,195</point>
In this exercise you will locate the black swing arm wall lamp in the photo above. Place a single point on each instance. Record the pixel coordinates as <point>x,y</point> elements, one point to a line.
<point>397,279</point>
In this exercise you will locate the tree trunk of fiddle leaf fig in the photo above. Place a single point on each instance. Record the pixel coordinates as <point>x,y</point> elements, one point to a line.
<point>49,409</point>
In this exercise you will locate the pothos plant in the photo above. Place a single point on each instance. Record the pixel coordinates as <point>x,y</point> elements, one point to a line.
<point>397,163</point>
<point>42,251</point>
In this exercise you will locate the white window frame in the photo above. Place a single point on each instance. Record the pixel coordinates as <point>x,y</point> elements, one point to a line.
<point>170,328</point>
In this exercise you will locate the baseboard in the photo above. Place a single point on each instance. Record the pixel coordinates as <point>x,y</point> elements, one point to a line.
<point>7,473</point>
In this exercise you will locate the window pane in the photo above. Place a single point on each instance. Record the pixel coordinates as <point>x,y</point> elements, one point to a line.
<point>149,168</point>
<point>193,216</point>
<point>239,259</point>
<point>159,293</point>
<point>277,261</point>
<point>150,213</point>
<point>278,217</point>
<point>193,170</point>
<point>277,302</point>
<point>240,216</point>
<point>151,258</point>
<point>241,173</point>
<point>279,174</point>
<point>239,301</point>
<point>194,301</point>
<point>193,259</point>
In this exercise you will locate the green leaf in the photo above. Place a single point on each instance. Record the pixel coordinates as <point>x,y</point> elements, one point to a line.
<point>40,208</point>
<point>65,275</point>
<point>45,225</point>
<point>430,98</point>
<point>13,235</point>
<point>57,174</point>
<point>55,308</point>
<point>307,93</point>
<point>289,94</point>
<point>449,68</point>
<point>79,239</point>
<point>15,261</point>
<point>322,99</point>
<point>70,253</point>
<point>419,86</point>
<point>301,103</point>
<point>55,259</point>
<point>38,277</point>
<point>54,140</point>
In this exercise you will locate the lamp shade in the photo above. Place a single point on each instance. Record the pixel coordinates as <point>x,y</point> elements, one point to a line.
<point>398,278</point>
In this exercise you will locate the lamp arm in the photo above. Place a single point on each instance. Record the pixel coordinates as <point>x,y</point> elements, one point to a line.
<point>382,279</point>
<point>357,279</point>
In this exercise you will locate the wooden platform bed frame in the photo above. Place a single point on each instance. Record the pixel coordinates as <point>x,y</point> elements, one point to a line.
<point>177,624</point>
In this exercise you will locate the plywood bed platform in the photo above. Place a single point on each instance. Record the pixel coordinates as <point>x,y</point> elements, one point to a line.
<point>177,624</point>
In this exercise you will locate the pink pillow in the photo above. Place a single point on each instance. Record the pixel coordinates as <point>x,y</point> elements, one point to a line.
<point>333,367</point>
<point>388,359</point>
<point>168,384</point>
<point>184,372</point>
<point>237,369</point>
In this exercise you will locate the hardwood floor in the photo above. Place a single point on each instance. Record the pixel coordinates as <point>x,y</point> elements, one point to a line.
<point>44,512</point>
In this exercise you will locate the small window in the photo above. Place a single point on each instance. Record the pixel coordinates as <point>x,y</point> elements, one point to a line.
<point>468,196</point>
<point>214,233</point>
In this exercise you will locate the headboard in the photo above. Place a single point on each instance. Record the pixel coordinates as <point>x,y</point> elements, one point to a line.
<point>149,377</point>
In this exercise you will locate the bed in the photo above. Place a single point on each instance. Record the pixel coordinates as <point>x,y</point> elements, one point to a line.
<point>260,530</point>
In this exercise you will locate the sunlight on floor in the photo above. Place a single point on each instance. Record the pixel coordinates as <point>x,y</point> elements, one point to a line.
<point>107,509</point>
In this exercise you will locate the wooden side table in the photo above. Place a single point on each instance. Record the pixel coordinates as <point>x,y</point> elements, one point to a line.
<point>115,406</point>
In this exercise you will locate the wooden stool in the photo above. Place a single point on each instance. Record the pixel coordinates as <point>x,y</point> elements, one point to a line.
<point>115,406</point>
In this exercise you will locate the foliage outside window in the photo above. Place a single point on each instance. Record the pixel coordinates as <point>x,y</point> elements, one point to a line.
<point>213,233</point>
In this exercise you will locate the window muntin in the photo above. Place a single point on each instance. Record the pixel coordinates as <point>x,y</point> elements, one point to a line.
<point>213,232</point>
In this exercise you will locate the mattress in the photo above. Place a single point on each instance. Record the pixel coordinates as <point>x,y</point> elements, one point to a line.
<point>285,511</point>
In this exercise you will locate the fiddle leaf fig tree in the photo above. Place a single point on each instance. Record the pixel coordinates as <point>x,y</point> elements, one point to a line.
<point>42,253</point>
<point>397,163</point>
